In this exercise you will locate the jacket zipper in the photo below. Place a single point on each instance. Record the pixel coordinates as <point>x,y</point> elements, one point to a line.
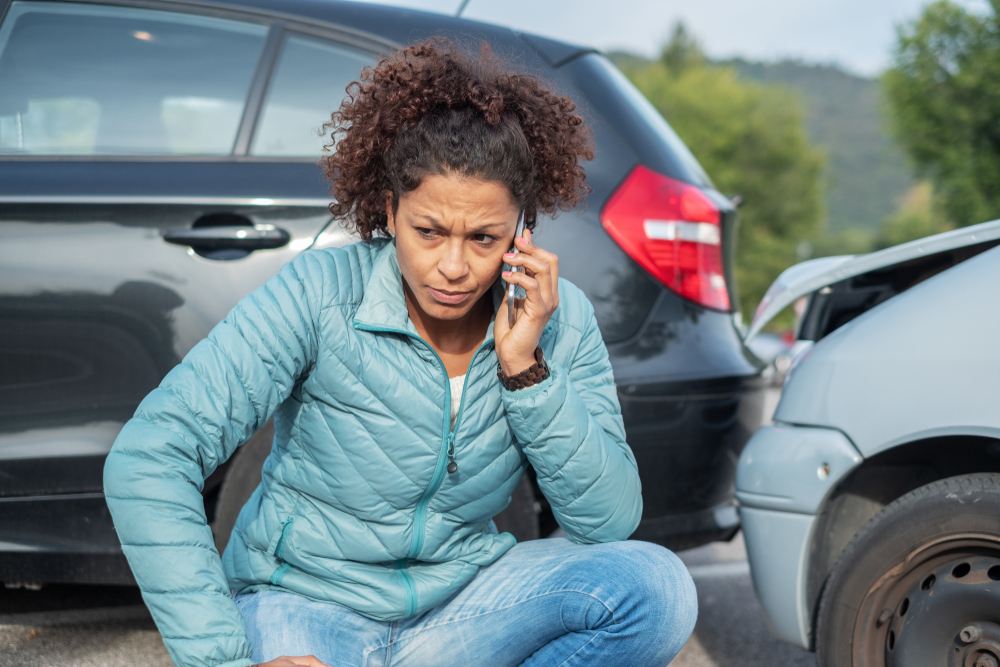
<point>449,442</point>
<point>409,588</point>
<point>420,514</point>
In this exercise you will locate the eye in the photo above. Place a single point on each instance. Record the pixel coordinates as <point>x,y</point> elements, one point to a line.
<point>426,233</point>
<point>485,239</point>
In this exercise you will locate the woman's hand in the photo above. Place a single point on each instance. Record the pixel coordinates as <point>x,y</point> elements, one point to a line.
<point>285,661</point>
<point>540,280</point>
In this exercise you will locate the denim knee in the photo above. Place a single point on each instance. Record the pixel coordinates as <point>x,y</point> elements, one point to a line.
<point>657,592</point>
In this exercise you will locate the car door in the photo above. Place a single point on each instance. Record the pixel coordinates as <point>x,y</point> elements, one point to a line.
<point>155,167</point>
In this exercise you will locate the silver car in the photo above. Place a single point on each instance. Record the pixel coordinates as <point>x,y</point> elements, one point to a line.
<point>871,505</point>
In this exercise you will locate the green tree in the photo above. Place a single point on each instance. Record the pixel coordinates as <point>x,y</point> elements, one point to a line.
<point>750,139</point>
<point>945,103</point>
<point>918,216</point>
<point>682,51</point>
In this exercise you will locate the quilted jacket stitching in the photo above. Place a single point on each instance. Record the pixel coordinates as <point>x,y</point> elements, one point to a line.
<point>151,419</point>
<point>187,406</point>
<point>149,499</point>
<point>304,343</point>
<point>390,409</point>
<point>398,510</point>
<point>417,487</point>
<point>242,383</point>
<point>247,321</point>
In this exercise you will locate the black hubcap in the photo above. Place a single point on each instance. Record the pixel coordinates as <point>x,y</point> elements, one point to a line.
<point>940,607</point>
<point>953,610</point>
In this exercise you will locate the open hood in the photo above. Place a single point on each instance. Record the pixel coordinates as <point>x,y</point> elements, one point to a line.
<point>807,277</point>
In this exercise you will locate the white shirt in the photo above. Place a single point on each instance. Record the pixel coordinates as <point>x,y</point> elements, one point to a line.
<point>456,396</point>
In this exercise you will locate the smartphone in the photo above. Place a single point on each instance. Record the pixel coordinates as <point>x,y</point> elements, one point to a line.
<point>512,290</point>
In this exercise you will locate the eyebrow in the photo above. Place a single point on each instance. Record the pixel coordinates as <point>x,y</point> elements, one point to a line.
<point>478,230</point>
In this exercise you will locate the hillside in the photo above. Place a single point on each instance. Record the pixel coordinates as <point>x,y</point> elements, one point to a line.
<point>866,174</point>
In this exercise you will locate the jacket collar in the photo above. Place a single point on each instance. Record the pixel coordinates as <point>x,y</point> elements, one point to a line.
<point>383,306</point>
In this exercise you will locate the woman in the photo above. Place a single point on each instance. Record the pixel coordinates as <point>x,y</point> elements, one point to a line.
<point>406,410</point>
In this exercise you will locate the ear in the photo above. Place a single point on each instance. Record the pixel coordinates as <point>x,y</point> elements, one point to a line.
<point>390,218</point>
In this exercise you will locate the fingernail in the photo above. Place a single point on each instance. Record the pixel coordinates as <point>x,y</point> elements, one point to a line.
<point>508,255</point>
<point>506,274</point>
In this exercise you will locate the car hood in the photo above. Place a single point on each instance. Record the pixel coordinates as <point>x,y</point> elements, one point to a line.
<point>807,277</point>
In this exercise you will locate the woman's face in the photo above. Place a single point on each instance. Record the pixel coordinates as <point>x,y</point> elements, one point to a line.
<point>451,233</point>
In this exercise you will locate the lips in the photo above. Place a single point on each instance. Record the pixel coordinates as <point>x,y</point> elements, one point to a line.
<point>446,297</point>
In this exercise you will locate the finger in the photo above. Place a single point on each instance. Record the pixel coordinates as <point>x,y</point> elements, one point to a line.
<point>309,661</point>
<point>535,265</point>
<point>531,287</point>
<point>550,258</point>
<point>539,269</point>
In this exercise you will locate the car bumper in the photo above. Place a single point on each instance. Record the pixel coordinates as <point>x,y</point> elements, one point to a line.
<point>784,475</point>
<point>692,529</point>
<point>686,440</point>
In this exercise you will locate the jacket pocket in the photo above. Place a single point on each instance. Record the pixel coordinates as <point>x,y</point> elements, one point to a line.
<point>276,548</point>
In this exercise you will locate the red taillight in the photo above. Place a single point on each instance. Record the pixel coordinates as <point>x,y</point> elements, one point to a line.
<point>672,230</point>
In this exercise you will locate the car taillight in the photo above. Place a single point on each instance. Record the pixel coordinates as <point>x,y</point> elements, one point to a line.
<point>673,230</point>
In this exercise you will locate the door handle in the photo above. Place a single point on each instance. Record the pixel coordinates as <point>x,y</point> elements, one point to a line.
<point>257,237</point>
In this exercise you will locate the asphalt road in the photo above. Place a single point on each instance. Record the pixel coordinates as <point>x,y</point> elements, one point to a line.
<point>79,626</point>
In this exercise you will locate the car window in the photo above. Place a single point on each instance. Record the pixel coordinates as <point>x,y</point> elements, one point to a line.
<point>309,83</point>
<point>93,79</point>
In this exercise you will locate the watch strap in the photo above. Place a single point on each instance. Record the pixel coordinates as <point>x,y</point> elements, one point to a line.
<point>531,376</point>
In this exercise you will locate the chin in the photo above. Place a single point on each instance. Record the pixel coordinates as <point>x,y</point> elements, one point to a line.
<point>442,311</point>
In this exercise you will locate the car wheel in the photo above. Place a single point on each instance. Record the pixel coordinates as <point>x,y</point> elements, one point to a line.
<point>242,477</point>
<point>920,583</point>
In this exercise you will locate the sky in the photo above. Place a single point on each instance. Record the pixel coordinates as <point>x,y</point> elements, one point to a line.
<point>858,35</point>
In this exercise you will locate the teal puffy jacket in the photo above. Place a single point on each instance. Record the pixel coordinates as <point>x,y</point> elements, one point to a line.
<point>356,506</point>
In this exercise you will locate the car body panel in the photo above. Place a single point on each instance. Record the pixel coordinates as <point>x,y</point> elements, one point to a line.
<point>793,468</point>
<point>784,475</point>
<point>920,365</point>
<point>924,362</point>
<point>807,277</point>
<point>781,541</point>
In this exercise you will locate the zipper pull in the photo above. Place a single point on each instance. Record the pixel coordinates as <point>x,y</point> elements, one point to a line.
<point>452,466</point>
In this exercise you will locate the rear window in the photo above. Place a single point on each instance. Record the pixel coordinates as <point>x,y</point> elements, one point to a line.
<point>308,85</point>
<point>631,115</point>
<point>91,79</point>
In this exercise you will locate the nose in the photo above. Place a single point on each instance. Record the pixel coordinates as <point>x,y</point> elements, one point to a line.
<point>453,264</point>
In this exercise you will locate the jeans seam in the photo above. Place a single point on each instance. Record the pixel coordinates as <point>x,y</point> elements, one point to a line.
<point>511,606</point>
<point>393,629</point>
<point>570,657</point>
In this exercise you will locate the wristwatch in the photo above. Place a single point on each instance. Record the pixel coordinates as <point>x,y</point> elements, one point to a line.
<point>537,372</point>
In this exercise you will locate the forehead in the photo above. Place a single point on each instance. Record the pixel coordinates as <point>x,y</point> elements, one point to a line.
<point>452,195</point>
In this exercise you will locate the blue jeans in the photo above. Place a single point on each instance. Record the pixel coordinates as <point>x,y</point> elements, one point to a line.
<point>545,602</point>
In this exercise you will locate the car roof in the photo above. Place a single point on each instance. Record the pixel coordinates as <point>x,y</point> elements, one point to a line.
<point>396,25</point>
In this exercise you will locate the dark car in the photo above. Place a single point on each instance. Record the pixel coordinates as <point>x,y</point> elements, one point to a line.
<point>158,161</point>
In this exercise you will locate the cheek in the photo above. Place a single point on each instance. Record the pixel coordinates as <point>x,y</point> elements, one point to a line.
<point>410,264</point>
<point>486,267</point>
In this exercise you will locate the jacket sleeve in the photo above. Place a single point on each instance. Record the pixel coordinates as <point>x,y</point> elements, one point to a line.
<point>213,401</point>
<point>572,431</point>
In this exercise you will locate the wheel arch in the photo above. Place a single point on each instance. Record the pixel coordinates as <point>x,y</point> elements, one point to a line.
<point>878,481</point>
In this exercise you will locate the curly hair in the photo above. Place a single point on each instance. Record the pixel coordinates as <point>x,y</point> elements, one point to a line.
<point>430,109</point>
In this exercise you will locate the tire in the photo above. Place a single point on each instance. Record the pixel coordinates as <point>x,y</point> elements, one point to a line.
<point>242,477</point>
<point>520,518</point>
<point>915,578</point>
<point>244,474</point>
